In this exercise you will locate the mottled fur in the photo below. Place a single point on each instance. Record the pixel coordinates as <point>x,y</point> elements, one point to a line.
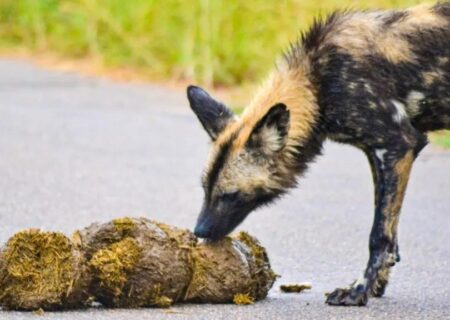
<point>378,80</point>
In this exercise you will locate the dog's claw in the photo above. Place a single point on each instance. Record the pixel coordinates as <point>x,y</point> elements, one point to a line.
<point>347,297</point>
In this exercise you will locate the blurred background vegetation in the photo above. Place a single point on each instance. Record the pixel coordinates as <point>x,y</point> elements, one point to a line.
<point>221,43</point>
<point>213,42</point>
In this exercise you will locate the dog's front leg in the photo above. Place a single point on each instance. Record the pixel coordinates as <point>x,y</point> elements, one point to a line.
<point>391,169</point>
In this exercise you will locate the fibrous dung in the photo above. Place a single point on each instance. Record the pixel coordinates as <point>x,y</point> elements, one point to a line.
<point>136,262</point>
<point>42,270</point>
<point>128,263</point>
<point>235,265</point>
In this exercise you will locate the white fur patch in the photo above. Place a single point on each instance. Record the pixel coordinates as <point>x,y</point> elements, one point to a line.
<point>368,88</point>
<point>379,153</point>
<point>400,109</point>
<point>361,281</point>
<point>271,139</point>
<point>391,258</point>
<point>413,100</point>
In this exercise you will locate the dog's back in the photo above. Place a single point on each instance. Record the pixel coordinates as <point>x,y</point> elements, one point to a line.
<point>383,59</point>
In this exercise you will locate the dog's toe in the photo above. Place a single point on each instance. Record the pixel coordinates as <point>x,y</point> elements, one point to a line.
<point>347,297</point>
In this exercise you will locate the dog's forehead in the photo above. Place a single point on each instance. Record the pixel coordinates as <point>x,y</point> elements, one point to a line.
<point>243,172</point>
<point>226,140</point>
<point>229,160</point>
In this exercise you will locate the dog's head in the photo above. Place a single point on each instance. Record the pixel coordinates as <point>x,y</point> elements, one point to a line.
<point>243,171</point>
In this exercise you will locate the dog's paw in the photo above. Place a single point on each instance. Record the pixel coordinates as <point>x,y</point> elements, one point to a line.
<point>347,297</point>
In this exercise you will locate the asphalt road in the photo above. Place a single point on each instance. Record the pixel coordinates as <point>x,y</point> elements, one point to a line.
<point>74,150</point>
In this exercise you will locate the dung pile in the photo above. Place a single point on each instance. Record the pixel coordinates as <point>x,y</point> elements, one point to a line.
<point>128,263</point>
<point>137,262</point>
<point>234,266</point>
<point>42,270</point>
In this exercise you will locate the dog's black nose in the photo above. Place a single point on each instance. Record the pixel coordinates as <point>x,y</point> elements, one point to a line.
<point>202,231</point>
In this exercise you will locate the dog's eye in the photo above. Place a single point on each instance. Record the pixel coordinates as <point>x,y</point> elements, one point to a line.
<point>230,196</point>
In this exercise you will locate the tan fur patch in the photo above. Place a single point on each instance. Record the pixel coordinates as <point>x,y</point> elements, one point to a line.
<point>423,16</point>
<point>359,33</point>
<point>240,174</point>
<point>381,280</point>
<point>291,87</point>
<point>394,49</point>
<point>354,32</point>
<point>392,211</point>
<point>431,76</point>
<point>442,60</point>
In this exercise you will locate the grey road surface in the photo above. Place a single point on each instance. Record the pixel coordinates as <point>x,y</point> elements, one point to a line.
<point>75,149</point>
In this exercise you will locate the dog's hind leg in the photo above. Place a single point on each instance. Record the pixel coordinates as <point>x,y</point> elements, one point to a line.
<point>391,166</point>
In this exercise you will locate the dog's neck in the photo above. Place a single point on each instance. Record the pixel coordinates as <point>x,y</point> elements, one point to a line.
<point>294,89</point>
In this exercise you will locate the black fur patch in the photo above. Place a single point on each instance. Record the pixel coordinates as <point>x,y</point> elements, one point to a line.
<point>217,166</point>
<point>311,40</point>
<point>213,115</point>
<point>394,17</point>
<point>278,117</point>
<point>442,8</point>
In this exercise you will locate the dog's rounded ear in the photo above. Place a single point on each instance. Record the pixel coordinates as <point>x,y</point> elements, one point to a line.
<point>213,115</point>
<point>270,133</point>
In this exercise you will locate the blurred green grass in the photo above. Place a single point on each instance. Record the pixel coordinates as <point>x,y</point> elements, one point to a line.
<point>211,42</point>
<point>441,138</point>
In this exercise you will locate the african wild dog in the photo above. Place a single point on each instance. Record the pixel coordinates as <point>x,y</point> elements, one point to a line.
<point>376,80</point>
